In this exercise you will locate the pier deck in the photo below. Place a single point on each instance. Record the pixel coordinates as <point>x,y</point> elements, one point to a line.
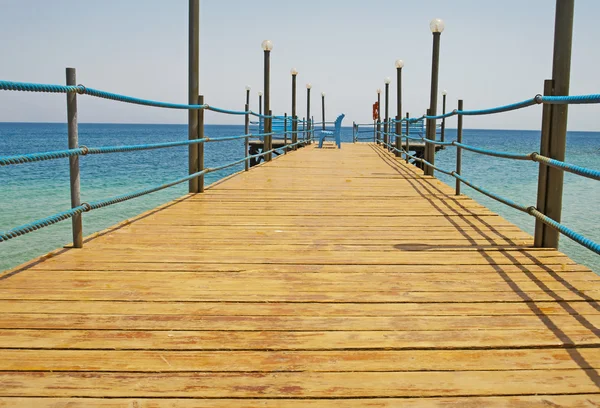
<point>326,274</point>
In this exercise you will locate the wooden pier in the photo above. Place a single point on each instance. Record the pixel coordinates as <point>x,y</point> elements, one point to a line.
<point>324,275</point>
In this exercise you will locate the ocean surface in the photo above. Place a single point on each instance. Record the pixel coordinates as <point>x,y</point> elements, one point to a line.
<point>32,191</point>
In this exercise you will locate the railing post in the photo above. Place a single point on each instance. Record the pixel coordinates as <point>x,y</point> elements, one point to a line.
<point>73,132</point>
<point>398,134</point>
<point>285,133</point>
<point>247,138</point>
<point>193,88</point>
<point>269,145</point>
<point>304,127</point>
<point>427,149</point>
<point>443,126</point>
<point>200,146</point>
<point>561,73</point>
<point>378,131</point>
<point>540,228</point>
<point>459,137</point>
<point>374,131</point>
<point>407,134</point>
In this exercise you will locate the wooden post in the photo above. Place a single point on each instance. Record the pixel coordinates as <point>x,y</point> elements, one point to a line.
<point>200,147</point>
<point>73,132</point>
<point>459,138</point>
<point>540,227</point>
<point>407,134</point>
<point>193,88</point>
<point>285,149</point>
<point>561,75</point>
<point>246,139</point>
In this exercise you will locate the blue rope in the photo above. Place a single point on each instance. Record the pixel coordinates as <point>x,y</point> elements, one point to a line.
<point>227,111</point>
<point>580,99</point>
<point>571,168</point>
<point>514,156</point>
<point>31,87</point>
<point>83,151</point>
<point>569,233</point>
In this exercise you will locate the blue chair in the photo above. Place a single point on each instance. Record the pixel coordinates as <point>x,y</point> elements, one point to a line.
<point>336,133</point>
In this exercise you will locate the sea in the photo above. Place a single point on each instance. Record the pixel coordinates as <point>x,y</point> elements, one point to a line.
<point>32,191</point>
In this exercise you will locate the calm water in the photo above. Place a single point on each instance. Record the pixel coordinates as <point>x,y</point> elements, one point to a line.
<point>36,190</point>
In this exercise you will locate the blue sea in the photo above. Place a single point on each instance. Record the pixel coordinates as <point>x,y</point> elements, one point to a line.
<point>33,191</point>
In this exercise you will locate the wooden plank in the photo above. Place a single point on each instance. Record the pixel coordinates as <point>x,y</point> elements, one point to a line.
<point>300,309</point>
<point>296,361</point>
<point>282,385</point>
<point>305,340</point>
<point>537,401</point>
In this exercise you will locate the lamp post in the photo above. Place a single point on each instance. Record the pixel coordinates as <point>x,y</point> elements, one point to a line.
<point>323,108</point>
<point>388,80</point>
<point>378,115</point>
<point>308,88</point>
<point>294,73</point>
<point>399,65</point>
<point>443,130</point>
<point>267,46</point>
<point>248,94</point>
<point>437,27</point>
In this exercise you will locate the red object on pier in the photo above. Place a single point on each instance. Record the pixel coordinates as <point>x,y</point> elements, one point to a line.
<point>375,110</point>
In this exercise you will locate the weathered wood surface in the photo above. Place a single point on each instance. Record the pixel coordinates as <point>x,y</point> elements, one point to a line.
<point>325,278</point>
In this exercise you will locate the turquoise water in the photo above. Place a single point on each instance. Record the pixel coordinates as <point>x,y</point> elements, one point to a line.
<point>37,190</point>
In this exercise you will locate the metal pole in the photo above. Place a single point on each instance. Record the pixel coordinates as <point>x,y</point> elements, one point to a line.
<point>200,147</point>
<point>378,116</point>
<point>459,137</point>
<point>193,88</point>
<point>294,116</point>
<point>561,73</point>
<point>374,131</point>
<point>435,66</point>
<point>261,123</point>
<point>73,132</point>
<point>399,110</point>
<point>308,108</point>
<point>540,227</point>
<point>386,128</point>
<point>407,134</point>
<point>285,120</point>
<point>268,122</point>
<point>247,97</point>
<point>304,127</point>
<point>427,170</point>
<point>246,140</point>
<point>323,108</point>
<point>443,130</point>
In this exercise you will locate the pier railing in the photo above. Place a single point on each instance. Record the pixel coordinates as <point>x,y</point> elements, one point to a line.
<point>197,171</point>
<point>543,221</point>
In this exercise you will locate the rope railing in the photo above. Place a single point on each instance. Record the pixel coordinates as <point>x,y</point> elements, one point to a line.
<point>87,207</point>
<point>84,150</point>
<point>534,156</point>
<point>580,239</point>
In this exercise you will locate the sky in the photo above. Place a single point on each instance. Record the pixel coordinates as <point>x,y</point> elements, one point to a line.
<point>492,53</point>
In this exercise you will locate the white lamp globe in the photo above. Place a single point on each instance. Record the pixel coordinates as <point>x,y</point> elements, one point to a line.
<point>323,94</point>
<point>444,92</point>
<point>308,86</point>
<point>259,93</point>
<point>437,25</point>
<point>379,91</point>
<point>399,64</point>
<point>248,88</point>
<point>294,71</point>
<point>267,45</point>
<point>388,80</point>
